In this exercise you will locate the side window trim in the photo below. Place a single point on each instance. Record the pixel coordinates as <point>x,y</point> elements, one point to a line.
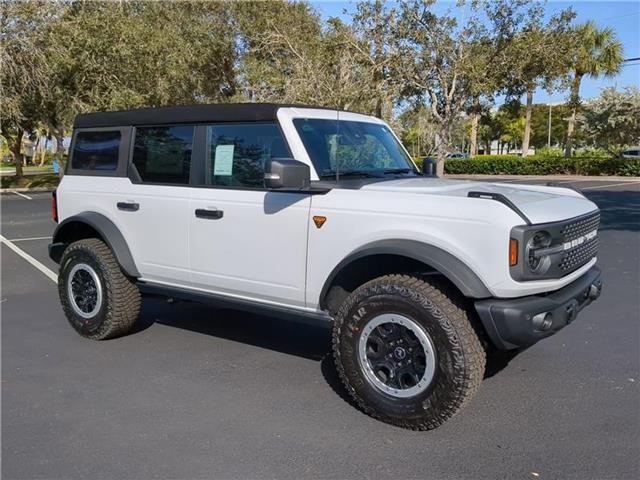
<point>123,157</point>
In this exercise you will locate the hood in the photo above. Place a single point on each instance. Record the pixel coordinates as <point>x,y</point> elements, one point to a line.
<point>540,204</point>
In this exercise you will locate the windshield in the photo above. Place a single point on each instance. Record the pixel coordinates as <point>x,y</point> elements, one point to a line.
<point>347,148</point>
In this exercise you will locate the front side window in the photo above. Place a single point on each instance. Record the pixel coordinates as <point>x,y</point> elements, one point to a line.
<point>96,151</point>
<point>162,154</point>
<point>236,153</point>
<point>349,147</point>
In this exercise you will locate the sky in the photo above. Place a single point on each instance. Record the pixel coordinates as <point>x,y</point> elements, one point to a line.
<point>622,17</point>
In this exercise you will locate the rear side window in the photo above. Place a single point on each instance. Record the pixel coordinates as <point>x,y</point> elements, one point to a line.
<point>163,154</point>
<point>96,151</point>
<point>237,153</point>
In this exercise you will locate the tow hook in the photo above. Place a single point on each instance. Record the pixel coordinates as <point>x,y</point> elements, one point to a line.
<point>594,291</point>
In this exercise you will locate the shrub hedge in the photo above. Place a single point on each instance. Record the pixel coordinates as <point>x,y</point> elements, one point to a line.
<point>513,165</point>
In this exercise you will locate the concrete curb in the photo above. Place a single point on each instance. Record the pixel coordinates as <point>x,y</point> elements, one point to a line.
<point>26,190</point>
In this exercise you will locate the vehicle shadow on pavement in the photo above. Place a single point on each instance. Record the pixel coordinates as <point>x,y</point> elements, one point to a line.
<point>619,210</point>
<point>285,333</point>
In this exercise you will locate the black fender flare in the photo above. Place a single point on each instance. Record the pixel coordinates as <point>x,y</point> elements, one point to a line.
<point>62,236</point>
<point>454,269</point>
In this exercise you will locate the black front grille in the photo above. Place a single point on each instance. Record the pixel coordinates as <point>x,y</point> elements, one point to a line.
<point>581,227</point>
<point>579,255</point>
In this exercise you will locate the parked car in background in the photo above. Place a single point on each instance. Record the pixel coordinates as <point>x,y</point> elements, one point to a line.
<point>633,152</point>
<point>457,155</point>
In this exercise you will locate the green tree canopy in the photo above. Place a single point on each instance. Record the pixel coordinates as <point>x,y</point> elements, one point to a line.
<point>612,121</point>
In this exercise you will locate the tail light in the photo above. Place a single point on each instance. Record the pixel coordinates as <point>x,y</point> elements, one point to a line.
<point>54,206</point>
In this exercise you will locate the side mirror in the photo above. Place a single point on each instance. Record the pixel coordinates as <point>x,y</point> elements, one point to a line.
<point>286,174</point>
<point>429,167</point>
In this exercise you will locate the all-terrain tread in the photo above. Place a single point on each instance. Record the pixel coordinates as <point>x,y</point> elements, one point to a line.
<point>122,295</point>
<point>473,354</point>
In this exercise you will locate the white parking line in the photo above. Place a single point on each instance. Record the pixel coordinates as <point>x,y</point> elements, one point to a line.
<point>29,238</point>
<point>22,195</point>
<point>610,185</point>
<point>48,272</point>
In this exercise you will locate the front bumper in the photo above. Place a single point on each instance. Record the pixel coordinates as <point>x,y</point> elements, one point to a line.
<point>520,322</point>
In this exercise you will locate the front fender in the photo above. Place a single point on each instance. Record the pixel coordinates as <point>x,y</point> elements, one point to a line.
<point>451,267</point>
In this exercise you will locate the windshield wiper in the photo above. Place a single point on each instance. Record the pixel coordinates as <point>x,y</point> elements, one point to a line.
<point>349,173</point>
<point>398,170</point>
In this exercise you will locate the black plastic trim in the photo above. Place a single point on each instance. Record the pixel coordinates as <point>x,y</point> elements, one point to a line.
<point>209,214</point>
<point>498,197</point>
<point>107,230</point>
<point>223,301</point>
<point>522,233</point>
<point>451,267</point>
<point>509,323</point>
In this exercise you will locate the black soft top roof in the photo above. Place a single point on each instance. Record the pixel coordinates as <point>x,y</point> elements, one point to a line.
<point>223,112</point>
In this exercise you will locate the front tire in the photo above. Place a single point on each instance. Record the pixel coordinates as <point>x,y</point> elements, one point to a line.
<point>99,301</point>
<point>407,352</point>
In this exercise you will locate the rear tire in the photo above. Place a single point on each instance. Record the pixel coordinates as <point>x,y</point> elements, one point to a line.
<point>99,301</point>
<point>407,352</point>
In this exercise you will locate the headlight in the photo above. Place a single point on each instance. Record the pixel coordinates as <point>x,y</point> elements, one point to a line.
<point>537,261</point>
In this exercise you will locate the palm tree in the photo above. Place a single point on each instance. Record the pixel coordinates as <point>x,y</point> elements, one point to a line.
<point>598,52</point>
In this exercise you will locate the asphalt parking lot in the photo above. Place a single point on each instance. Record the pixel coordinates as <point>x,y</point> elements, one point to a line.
<point>200,392</point>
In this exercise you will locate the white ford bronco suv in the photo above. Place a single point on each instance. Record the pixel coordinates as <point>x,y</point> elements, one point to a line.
<point>322,213</point>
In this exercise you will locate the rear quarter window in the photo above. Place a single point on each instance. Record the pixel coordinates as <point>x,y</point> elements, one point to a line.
<point>97,151</point>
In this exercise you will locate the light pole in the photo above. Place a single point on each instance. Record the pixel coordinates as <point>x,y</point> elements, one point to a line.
<point>549,124</point>
<point>549,135</point>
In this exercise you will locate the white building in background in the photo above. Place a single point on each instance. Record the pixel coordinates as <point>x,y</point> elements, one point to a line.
<point>495,150</point>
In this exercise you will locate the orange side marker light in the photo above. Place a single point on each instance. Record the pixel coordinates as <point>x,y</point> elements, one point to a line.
<point>319,220</point>
<point>513,252</point>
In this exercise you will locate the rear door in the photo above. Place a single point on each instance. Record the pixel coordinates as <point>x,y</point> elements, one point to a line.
<point>153,203</point>
<point>245,241</point>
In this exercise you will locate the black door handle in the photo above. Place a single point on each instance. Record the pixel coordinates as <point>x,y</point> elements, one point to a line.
<point>129,206</point>
<point>212,214</point>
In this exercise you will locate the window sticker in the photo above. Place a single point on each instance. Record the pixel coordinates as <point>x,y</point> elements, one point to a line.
<point>223,162</point>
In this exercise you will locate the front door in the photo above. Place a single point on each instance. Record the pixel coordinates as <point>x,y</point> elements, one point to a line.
<point>246,242</point>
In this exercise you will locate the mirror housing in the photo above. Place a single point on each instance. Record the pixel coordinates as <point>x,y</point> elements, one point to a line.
<point>286,174</point>
<point>429,167</point>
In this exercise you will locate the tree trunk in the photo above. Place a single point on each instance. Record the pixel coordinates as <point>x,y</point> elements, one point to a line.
<point>473,140</point>
<point>475,122</point>
<point>378,39</point>
<point>527,122</point>
<point>58,133</point>
<point>15,148</point>
<point>36,148</point>
<point>43,154</point>
<point>442,146</point>
<point>574,101</point>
